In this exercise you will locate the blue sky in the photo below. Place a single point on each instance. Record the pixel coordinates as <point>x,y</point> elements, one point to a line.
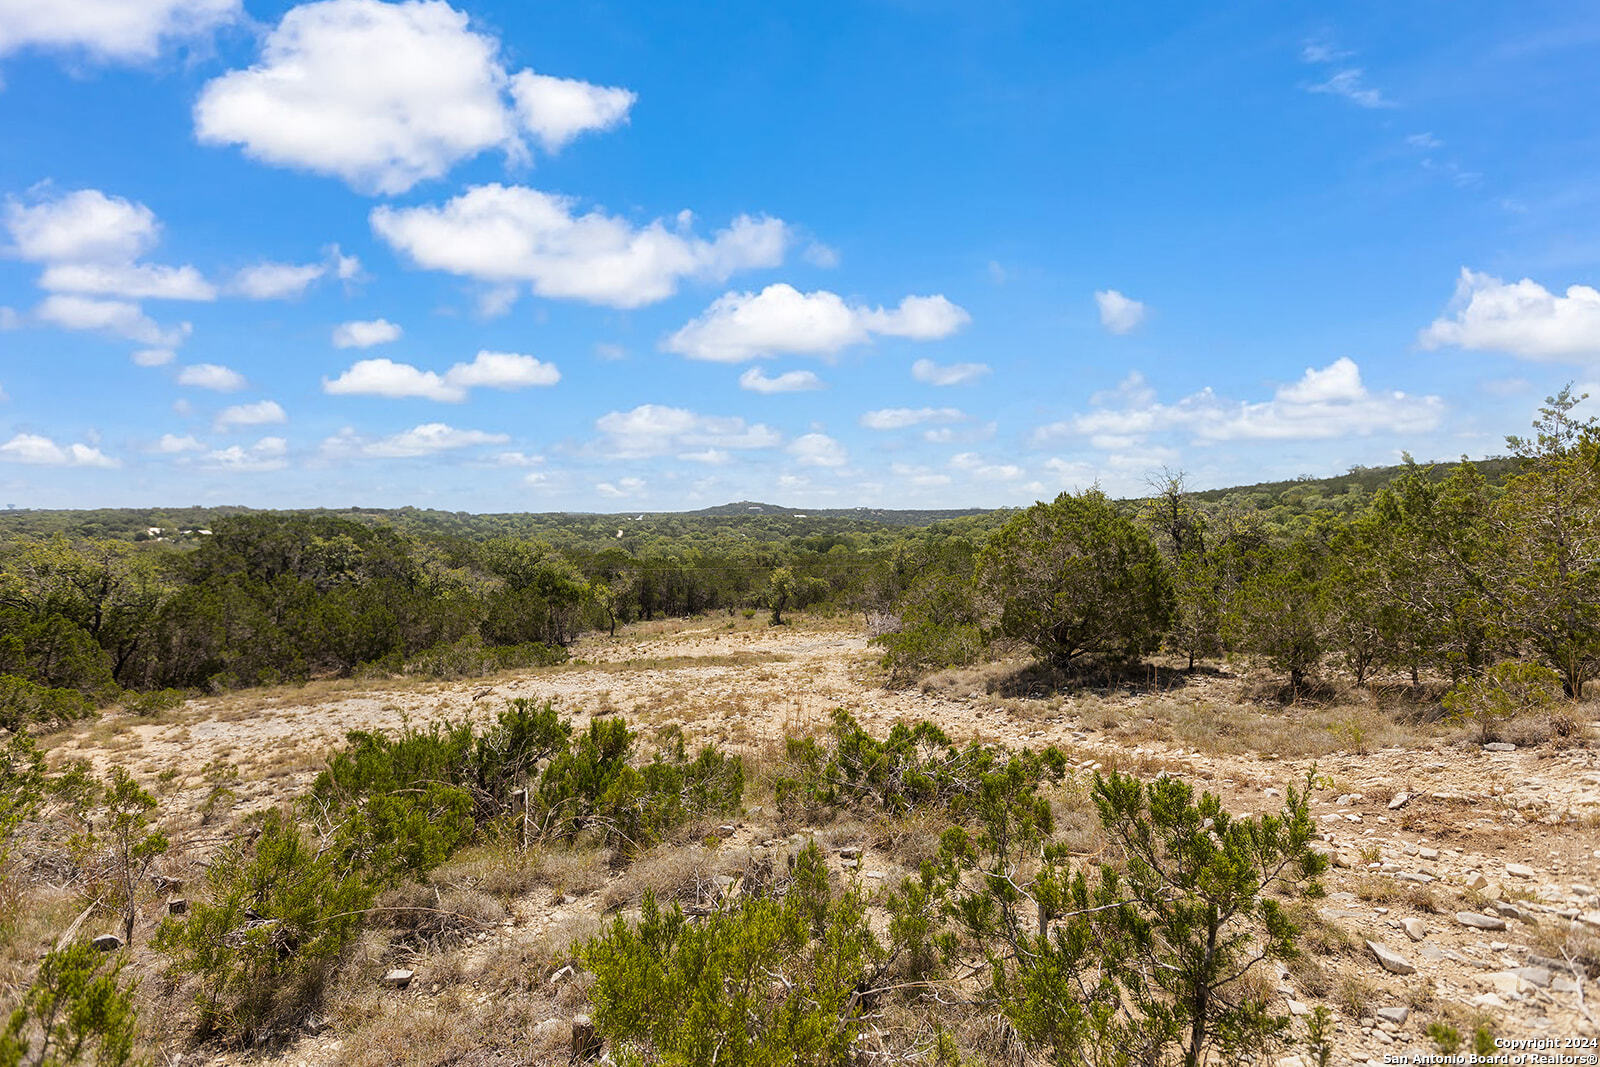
<point>529,256</point>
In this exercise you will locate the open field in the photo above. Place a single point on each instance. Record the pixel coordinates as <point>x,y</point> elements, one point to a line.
<point>1423,822</point>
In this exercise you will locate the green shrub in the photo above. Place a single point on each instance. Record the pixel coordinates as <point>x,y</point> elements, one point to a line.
<point>78,1007</point>
<point>597,785</point>
<point>22,786</point>
<point>470,657</point>
<point>1504,692</point>
<point>1150,956</point>
<point>913,767</point>
<point>23,703</point>
<point>152,703</point>
<point>1075,577</point>
<point>266,939</point>
<point>400,805</point>
<point>768,980</point>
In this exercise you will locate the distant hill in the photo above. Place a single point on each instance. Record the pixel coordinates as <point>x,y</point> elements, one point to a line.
<point>746,520</point>
<point>886,516</point>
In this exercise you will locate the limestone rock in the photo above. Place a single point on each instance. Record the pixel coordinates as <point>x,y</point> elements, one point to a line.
<point>398,978</point>
<point>1415,929</point>
<point>107,942</point>
<point>1391,960</point>
<point>1396,1015</point>
<point>1480,922</point>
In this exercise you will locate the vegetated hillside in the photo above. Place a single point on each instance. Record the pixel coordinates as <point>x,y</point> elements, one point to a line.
<point>743,520</point>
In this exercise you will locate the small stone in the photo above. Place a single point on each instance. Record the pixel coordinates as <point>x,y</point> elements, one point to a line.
<point>398,978</point>
<point>1400,800</point>
<point>177,906</point>
<point>565,974</point>
<point>1480,922</point>
<point>1475,880</point>
<point>1290,1061</point>
<point>1563,985</point>
<point>1396,1015</point>
<point>1391,960</point>
<point>849,852</point>
<point>1505,983</point>
<point>1536,976</point>
<point>1521,870</point>
<point>1499,746</point>
<point>1487,1000</point>
<point>1298,1008</point>
<point>107,942</point>
<point>1428,853</point>
<point>1415,929</point>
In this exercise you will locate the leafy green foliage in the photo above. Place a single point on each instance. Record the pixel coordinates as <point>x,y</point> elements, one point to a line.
<point>22,786</point>
<point>278,914</point>
<point>77,1008</point>
<point>1076,577</point>
<point>1504,692</point>
<point>400,805</point>
<point>915,766</point>
<point>1284,611</point>
<point>24,703</point>
<point>132,844</point>
<point>768,980</point>
<point>599,784</point>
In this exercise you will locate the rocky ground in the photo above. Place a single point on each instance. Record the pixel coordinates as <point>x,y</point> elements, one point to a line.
<point>1464,875</point>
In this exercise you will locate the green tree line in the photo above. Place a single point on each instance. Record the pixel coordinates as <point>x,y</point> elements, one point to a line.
<point>1437,574</point>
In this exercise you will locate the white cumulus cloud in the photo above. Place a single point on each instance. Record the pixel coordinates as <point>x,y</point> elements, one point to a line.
<point>818,450</point>
<point>657,430</point>
<point>385,95</point>
<point>931,373</point>
<point>33,449</point>
<point>489,370</point>
<point>172,444</point>
<point>621,488</point>
<point>276,281</point>
<point>365,333</point>
<point>427,439</point>
<point>556,110</point>
<point>267,454</point>
<point>903,418</point>
<point>91,243</point>
<point>122,30</point>
<point>781,319</point>
<point>1522,318</point>
<point>212,376</point>
<point>1118,313</point>
<point>120,318</point>
<point>261,413</point>
<point>794,381</point>
<point>511,233</point>
<point>1326,402</point>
